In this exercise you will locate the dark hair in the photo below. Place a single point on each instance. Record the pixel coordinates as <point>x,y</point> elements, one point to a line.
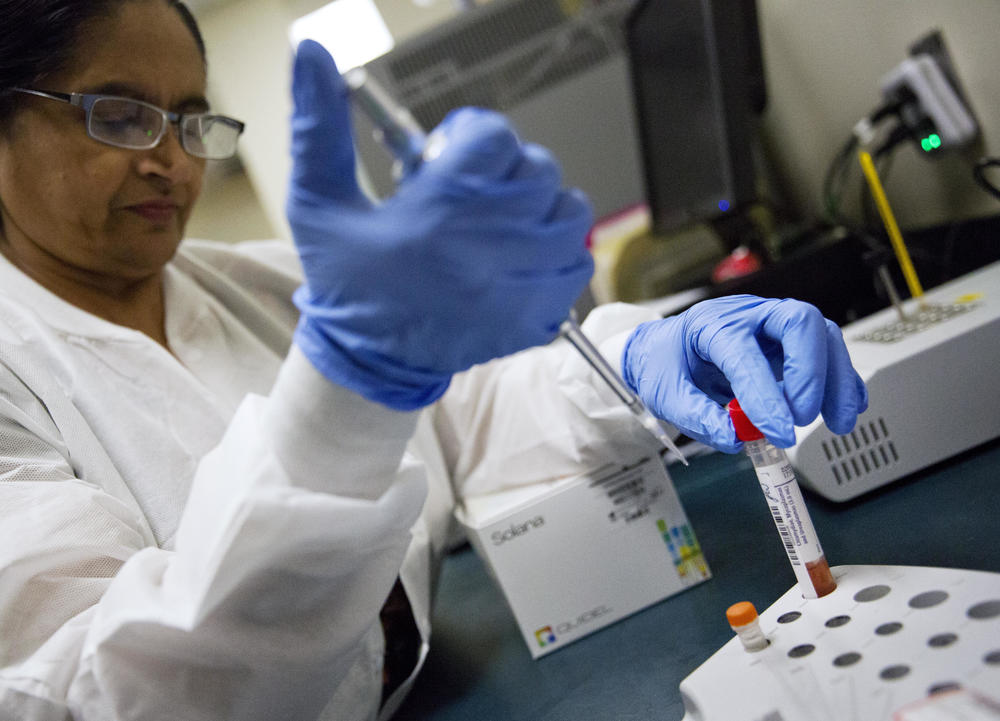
<point>37,38</point>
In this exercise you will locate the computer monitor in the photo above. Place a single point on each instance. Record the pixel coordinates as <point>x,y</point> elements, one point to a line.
<point>642,102</point>
<point>698,78</point>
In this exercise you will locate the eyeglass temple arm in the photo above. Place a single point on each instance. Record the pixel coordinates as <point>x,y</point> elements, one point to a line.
<point>71,98</point>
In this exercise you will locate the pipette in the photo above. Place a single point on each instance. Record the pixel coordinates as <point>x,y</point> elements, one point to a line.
<point>394,125</point>
<point>570,330</point>
<point>401,134</point>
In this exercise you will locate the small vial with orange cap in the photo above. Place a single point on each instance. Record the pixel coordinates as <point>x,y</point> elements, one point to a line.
<point>788,508</point>
<point>744,621</point>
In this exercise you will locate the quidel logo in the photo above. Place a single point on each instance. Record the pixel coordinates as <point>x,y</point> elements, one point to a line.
<point>583,619</point>
<point>544,636</point>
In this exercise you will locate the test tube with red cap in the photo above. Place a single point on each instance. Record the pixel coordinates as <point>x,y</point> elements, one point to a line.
<point>788,508</point>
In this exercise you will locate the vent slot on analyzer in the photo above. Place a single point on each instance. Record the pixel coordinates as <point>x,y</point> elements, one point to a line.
<point>865,450</point>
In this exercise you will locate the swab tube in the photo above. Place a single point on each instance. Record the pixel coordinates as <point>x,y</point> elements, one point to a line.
<point>788,508</point>
<point>745,622</point>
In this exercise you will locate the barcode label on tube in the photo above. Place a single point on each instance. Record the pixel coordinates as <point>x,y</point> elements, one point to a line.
<point>784,499</point>
<point>786,535</point>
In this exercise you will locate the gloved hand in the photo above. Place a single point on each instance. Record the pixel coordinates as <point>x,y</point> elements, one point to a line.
<point>782,359</point>
<point>480,252</point>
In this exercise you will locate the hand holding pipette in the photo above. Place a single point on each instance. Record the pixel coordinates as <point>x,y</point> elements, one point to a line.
<point>401,134</point>
<point>476,256</point>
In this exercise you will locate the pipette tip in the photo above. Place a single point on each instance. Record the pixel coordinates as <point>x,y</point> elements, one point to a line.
<point>651,424</point>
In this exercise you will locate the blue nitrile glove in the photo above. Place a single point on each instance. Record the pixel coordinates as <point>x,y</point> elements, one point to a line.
<point>782,359</point>
<point>480,253</point>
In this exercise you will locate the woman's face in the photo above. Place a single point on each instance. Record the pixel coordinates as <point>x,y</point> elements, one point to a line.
<point>90,212</point>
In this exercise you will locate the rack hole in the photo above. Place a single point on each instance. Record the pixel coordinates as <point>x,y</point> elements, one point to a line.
<point>847,659</point>
<point>801,650</point>
<point>985,610</point>
<point>887,629</point>
<point>872,593</point>
<point>928,599</point>
<point>942,640</point>
<point>894,673</point>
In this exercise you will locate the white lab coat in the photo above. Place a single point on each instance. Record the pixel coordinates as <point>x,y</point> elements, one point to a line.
<point>210,535</point>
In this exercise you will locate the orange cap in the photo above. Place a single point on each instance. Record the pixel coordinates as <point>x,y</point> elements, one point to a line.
<point>740,614</point>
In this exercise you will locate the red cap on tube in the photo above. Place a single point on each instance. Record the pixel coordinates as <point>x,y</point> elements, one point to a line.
<point>745,430</point>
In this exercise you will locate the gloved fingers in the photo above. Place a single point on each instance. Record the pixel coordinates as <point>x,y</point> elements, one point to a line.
<point>562,240</point>
<point>801,331</point>
<point>535,182</point>
<point>478,143</point>
<point>713,383</point>
<point>707,422</point>
<point>515,242</point>
<point>758,391</point>
<point>546,299</point>
<point>846,396</point>
<point>323,161</point>
<point>538,165</point>
<point>572,206</point>
<point>653,365</point>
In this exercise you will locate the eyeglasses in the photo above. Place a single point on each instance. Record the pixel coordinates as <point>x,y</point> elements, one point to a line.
<point>133,124</point>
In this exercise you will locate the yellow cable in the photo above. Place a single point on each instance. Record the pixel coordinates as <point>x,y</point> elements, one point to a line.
<point>889,220</point>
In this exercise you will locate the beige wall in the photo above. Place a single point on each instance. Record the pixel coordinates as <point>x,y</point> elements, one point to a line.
<point>824,61</point>
<point>229,208</point>
<point>248,56</point>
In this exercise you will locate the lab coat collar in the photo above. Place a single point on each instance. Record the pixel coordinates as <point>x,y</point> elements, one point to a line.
<point>68,319</point>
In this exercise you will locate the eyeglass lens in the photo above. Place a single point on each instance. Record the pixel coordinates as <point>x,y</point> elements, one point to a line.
<point>209,136</point>
<point>135,125</point>
<point>124,123</point>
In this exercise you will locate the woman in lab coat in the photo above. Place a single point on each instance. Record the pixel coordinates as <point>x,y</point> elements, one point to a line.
<point>216,503</point>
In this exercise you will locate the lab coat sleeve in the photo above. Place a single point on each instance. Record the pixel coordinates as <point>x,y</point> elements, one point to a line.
<point>542,414</point>
<point>293,534</point>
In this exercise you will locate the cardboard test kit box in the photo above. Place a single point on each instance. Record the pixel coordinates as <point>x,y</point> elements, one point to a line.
<point>579,554</point>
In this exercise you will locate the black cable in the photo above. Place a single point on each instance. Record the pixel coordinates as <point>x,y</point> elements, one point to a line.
<point>890,108</point>
<point>947,259</point>
<point>833,183</point>
<point>834,179</point>
<point>836,175</point>
<point>979,173</point>
<point>896,136</point>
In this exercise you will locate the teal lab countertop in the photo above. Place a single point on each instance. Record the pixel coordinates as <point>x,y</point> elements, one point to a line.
<point>479,668</point>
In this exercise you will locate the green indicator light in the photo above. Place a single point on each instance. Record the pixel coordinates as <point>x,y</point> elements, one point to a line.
<point>931,142</point>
